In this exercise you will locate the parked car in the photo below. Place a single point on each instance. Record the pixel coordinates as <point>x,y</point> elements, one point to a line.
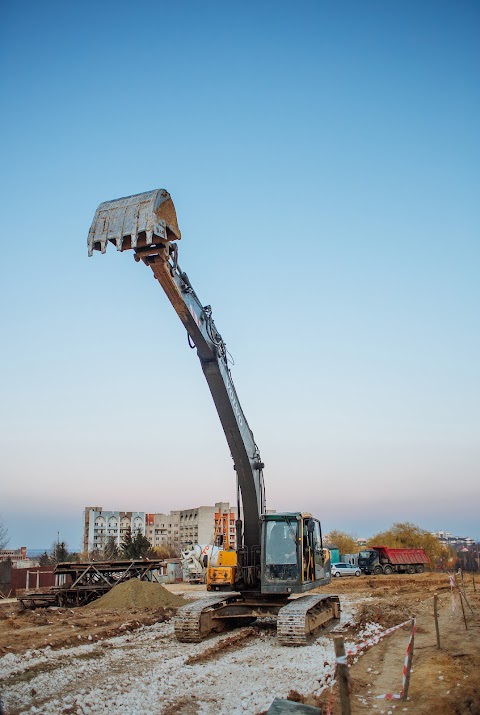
<point>345,570</point>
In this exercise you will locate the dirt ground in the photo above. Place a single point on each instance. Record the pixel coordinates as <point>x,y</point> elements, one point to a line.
<point>32,630</point>
<point>130,605</point>
<point>443,681</point>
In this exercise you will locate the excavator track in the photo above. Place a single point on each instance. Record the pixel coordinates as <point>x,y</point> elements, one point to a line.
<point>195,621</point>
<point>301,617</point>
<point>296,621</point>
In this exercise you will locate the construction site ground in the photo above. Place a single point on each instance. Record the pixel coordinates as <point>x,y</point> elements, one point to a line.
<point>120,655</point>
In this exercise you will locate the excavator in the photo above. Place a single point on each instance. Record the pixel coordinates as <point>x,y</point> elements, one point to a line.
<point>280,556</point>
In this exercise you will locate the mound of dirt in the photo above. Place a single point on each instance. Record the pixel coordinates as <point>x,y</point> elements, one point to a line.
<point>137,594</point>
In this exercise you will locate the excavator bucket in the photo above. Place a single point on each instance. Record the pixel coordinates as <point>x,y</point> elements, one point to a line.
<point>134,221</point>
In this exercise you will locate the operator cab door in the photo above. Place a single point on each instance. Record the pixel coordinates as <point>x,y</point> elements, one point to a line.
<point>314,563</point>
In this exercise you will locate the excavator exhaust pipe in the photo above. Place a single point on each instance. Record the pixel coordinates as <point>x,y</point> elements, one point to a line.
<point>134,222</point>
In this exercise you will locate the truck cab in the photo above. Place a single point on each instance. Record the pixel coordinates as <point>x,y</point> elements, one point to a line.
<point>368,561</point>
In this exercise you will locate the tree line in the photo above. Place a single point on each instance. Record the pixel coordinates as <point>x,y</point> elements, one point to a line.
<point>402,535</point>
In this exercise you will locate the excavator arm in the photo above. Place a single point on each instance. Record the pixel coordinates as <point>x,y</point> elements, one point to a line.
<point>147,224</point>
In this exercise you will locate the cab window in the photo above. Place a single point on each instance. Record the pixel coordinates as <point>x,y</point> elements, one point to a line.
<point>281,550</point>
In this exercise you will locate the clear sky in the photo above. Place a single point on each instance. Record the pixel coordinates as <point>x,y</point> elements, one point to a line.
<point>324,160</point>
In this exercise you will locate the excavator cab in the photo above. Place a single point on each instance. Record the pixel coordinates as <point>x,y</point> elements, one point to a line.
<point>293,558</point>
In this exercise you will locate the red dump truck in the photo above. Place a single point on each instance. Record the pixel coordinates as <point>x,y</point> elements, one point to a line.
<point>381,559</point>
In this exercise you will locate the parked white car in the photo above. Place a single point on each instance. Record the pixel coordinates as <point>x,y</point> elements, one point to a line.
<point>345,570</point>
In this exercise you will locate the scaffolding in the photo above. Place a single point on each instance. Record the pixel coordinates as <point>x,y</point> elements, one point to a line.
<point>77,584</point>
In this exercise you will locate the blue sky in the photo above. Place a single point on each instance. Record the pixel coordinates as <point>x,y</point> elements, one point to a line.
<point>323,159</point>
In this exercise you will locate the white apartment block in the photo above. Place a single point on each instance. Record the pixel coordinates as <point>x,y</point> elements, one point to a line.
<point>100,526</point>
<point>180,528</point>
<point>446,537</point>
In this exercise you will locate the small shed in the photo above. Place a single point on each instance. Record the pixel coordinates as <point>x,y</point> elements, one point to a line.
<point>334,553</point>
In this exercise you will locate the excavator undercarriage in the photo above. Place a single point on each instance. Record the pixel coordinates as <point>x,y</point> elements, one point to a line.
<point>297,619</point>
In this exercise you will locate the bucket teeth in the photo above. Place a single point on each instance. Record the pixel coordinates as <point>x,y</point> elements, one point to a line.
<point>134,221</point>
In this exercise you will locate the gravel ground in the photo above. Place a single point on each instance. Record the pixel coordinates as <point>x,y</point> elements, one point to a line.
<point>146,672</point>
<point>80,661</point>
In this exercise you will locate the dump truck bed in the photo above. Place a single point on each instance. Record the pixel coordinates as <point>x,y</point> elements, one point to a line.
<point>402,556</point>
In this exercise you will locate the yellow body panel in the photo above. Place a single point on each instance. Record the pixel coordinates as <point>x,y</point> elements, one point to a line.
<point>222,576</point>
<point>227,558</point>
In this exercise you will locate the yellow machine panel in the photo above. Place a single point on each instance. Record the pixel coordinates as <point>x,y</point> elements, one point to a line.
<point>221,577</point>
<point>227,558</point>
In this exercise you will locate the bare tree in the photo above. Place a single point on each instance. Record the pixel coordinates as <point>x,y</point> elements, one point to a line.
<point>110,550</point>
<point>165,551</point>
<point>4,538</point>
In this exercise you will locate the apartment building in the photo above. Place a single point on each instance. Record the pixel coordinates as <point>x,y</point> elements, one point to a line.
<point>14,555</point>
<point>448,539</point>
<point>99,526</point>
<point>180,528</point>
<point>163,529</point>
<point>200,525</point>
<point>225,518</point>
